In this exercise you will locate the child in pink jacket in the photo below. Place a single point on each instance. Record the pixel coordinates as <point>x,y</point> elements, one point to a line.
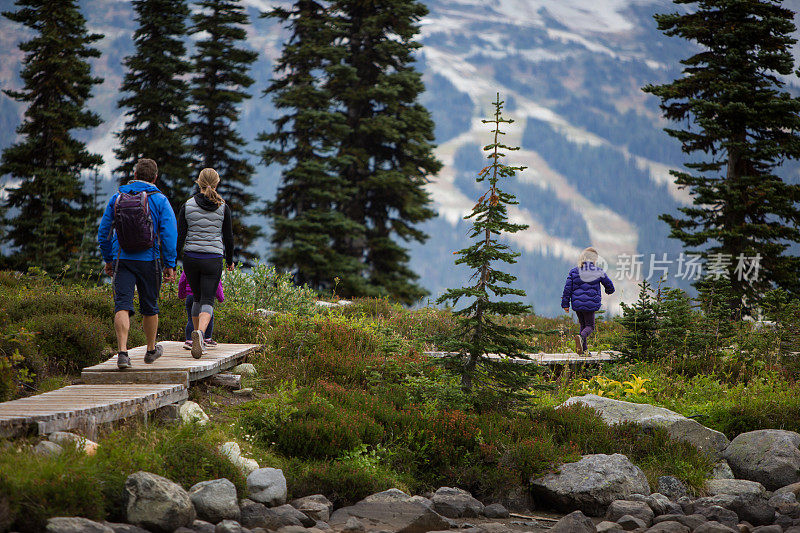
<point>184,291</point>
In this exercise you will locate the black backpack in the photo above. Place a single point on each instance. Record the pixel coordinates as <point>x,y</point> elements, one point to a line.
<point>132,221</point>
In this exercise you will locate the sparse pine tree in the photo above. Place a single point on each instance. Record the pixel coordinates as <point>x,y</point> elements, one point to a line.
<point>481,327</point>
<point>221,68</point>
<point>158,99</point>
<point>50,206</point>
<point>386,152</point>
<point>306,213</point>
<point>741,127</point>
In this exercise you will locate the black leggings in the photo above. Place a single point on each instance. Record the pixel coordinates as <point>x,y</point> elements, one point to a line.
<point>203,276</point>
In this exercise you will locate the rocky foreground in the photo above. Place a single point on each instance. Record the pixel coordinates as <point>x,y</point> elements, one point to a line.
<point>754,488</point>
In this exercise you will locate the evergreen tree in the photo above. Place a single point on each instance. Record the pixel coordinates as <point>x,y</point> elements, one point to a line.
<point>742,125</point>
<point>306,215</point>
<point>52,211</point>
<point>158,100</point>
<point>386,153</point>
<point>221,75</point>
<point>481,328</point>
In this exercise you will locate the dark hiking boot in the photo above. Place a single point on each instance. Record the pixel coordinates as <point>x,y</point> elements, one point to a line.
<point>123,361</point>
<point>152,355</point>
<point>585,345</point>
<point>578,345</point>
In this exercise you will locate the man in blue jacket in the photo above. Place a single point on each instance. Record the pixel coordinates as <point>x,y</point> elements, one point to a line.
<point>139,269</point>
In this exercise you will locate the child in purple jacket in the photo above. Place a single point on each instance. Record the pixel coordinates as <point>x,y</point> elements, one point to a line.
<point>184,291</point>
<point>582,290</point>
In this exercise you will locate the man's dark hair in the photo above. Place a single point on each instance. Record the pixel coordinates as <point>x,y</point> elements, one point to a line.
<point>146,170</point>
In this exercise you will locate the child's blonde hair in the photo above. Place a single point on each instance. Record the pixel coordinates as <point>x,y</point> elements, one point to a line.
<point>588,255</point>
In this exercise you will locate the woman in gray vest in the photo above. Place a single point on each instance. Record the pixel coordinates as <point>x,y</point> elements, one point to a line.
<point>205,236</point>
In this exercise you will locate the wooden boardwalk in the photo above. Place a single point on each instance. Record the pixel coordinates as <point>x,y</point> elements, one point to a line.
<point>110,394</point>
<point>551,359</point>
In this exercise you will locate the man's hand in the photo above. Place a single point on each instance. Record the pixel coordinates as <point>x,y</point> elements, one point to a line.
<point>110,269</point>
<point>230,267</point>
<point>566,309</point>
<point>169,275</point>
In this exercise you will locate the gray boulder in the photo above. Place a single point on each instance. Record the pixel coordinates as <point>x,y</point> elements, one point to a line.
<point>722,470</point>
<point>215,500</point>
<point>575,522</point>
<point>201,526</point>
<point>608,527</point>
<point>156,503</point>
<point>62,524</point>
<point>495,510</point>
<point>769,456</point>
<point>715,527</point>
<point>267,486</point>
<point>671,487</point>
<point>591,484</point>
<point>456,503</point>
<point>124,528</point>
<point>316,507</point>
<point>668,527</point>
<point>395,511</point>
<point>736,487</point>
<point>631,523</point>
<point>689,521</point>
<point>716,513</point>
<point>228,526</point>
<point>46,448</point>
<point>660,504</point>
<point>620,508</point>
<point>678,426</point>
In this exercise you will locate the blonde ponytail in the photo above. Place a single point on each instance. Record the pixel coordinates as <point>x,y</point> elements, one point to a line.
<point>207,181</point>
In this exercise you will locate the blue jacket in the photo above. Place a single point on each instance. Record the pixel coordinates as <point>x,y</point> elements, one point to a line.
<point>163,221</point>
<point>582,289</point>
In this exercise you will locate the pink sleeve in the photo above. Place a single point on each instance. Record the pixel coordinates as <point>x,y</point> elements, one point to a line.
<point>220,293</point>
<point>182,286</point>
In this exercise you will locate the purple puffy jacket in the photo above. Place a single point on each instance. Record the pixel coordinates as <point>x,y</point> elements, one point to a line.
<point>582,289</point>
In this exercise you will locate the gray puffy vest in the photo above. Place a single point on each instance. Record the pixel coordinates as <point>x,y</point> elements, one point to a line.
<point>204,233</point>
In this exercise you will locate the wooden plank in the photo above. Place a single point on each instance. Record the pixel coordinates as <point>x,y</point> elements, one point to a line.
<point>145,376</point>
<point>230,381</point>
<point>547,358</point>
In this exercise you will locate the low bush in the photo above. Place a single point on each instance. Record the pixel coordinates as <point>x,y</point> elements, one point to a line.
<point>75,484</point>
<point>69,341</point>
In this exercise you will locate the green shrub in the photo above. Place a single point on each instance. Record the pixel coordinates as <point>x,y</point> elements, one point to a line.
<point>264,287</point>
<point>20,363</point>
<point>69,342</point>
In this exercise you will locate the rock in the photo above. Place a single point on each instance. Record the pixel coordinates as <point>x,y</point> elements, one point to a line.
<point>715,513</point>
<point>794,488</point>
<point>201,526</point>
<point>769,456</point>
<point>631,523</point>
<point>757,510</point>
<point>620,508</point>
<point>722,470</point>
<point>247,391</point>
<point>456,503</point>
<point>47,449</point>
<point>324,304</point>
<point>495,510</point>
<point>608,527</point>
<point>215,500</point>
<point>779,498</point>
<point>686,503</point>
<point>518,500</point>
<point>668,527</point>
<point>228,526</point>
<point>62,524</point>
<point>244,369</point>
<point>266,313</point>
<point>353,525</point>
<point>715,527</point>
<point>156,503</point>
<point>592,483</point>
<point>168,414</point>
<point>317,507</point>
<point>234,453</point>
<point>192,412</point>
<point>660,504</point>
<point>689,521</point>
<point>289,511</point>
<point>267,486</point>
<point>125,528</point>
<point>392,510</point>
<point>671,487</point>
<point>252,514</point>
<point>678,426</point>
<point>790,510</point>
<point>736,487</point>
<point>768,529</point>
<point>575,522</point>
<point>64,438</point>
<point>255,514</point>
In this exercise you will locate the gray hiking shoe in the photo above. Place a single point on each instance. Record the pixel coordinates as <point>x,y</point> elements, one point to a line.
<point>198,344</point>
<point>150,356</point>
<point>123,361</point>
<point>578,345</point>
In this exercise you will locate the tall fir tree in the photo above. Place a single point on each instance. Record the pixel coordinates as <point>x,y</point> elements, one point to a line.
<point>221,77</point>
<point>386,154</point>
<point>741,127</point>
<point>306,213</point>
<point>52,210</point>
<point>158,99</point>
<point>360,146</point>
<point>481,325</point>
